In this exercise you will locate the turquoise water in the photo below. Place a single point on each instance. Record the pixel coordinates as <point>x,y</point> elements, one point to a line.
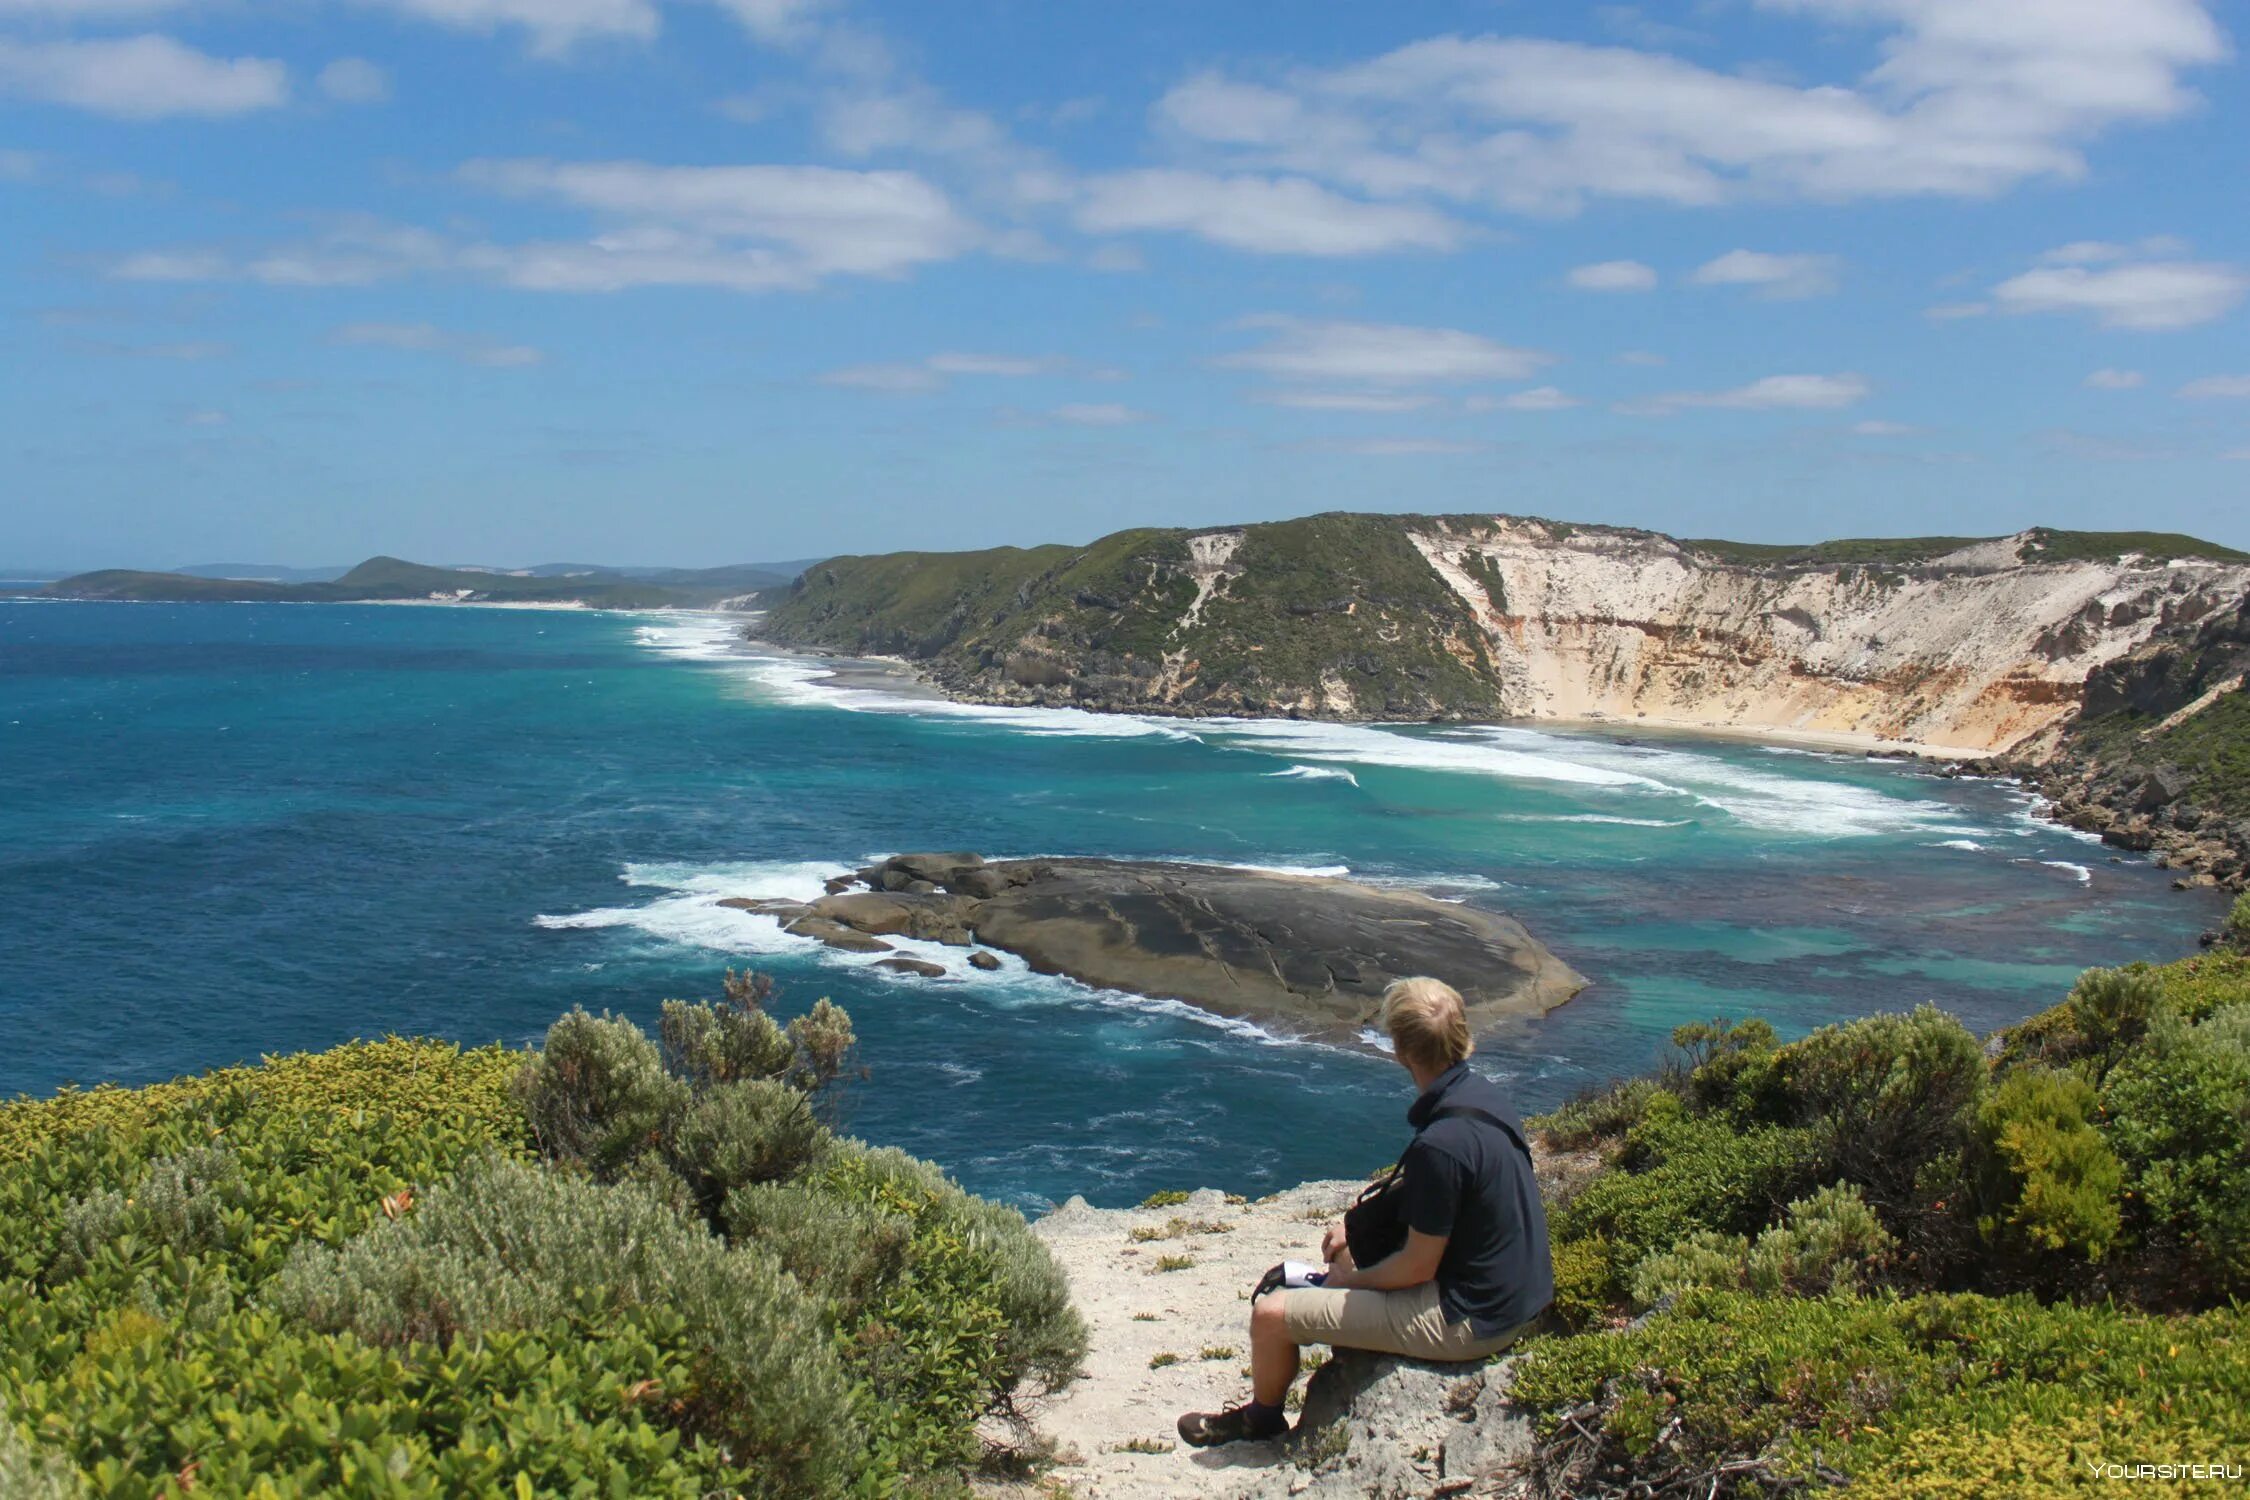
<point>227,829</point>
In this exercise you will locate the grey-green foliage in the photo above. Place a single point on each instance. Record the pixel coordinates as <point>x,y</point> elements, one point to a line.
<point>2179,1118</point>
<point>180,1202</point>
<point>737,1134</point>
<point>2111,1010</point>
<point>1830,1241</point>
<point>597,1092</point>
<point>28,1472</point>
<point>837,1248</point>
<point>1045,1339</point>
<point>513,1246</point>
<point>713,1044</point>
<point>2238,921</point>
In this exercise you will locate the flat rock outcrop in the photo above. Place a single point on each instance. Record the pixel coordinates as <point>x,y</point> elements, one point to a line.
<point>1311,952</point>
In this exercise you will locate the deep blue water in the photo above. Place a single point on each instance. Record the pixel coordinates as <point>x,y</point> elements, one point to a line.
<point>234,829</point>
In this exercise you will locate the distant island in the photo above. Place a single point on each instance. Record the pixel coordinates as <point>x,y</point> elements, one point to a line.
<point>382,579</point>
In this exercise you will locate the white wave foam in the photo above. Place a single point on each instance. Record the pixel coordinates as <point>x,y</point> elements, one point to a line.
<point>1371,745</point>
<point>1970,845</point>
<point>2085,876</point>
<point>1595,818</point>
<point>1317,773</point>
<point>2036,815</point>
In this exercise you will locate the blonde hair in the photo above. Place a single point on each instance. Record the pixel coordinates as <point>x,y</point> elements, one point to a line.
<point>1427,1023</point>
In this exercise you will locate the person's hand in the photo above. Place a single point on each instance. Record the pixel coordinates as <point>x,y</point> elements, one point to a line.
<point>1334,1243</point>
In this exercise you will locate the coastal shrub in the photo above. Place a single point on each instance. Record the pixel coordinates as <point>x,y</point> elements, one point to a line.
<point>2053,1181</point>
<point>713,1044</point>
<point>28,1472</point>
<point>1585,1282</point>
<point>2178,1112</point>
<point>1890,1102</point>
<point>2111,1010</point>
<point>510,1247</point>
<point>1727,1064</point>
<point>1830,1241</point>
<point>741,1133</point>
<point>185,1204</point>
<point>1678,1173</point>
<point>596,1092</point>
<point>2238,921</point>
<point>1599,1115</point>
<point>840,1251</point>
<point>1732,1392</point>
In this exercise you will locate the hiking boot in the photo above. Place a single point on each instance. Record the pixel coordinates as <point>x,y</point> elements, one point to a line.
<point>1240,1424</point>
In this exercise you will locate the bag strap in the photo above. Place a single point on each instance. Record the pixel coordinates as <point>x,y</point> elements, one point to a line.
<point>1462,1111</point>
<point>1470,1111</point>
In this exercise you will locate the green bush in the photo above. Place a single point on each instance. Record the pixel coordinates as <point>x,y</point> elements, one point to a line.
<point>1585,1281</point>
<point>2238,921</point>
<point>596,1092</point>
<point>1736,1393</point>
<point>2111,1010</point>
<point>1680,1173</point>
<point>841,1251</point>
<point>508,1247</point>
<point>2178,1114</point>
<point>29,1473</point>
<point>737,1134</point>
<point>1828,1242</point>
<point>2054,1182</point>
<point>1599,1116</point>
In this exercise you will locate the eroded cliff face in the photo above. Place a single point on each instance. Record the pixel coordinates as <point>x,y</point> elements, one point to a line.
<point>1973,651</point>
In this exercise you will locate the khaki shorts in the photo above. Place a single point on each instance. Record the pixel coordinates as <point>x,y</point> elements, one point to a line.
<point>1408,1322</point>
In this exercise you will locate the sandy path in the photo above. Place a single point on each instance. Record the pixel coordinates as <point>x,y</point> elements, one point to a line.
<point>1138,1313</point>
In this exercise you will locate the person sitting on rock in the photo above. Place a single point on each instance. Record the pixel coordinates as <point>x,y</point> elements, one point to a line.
<point>1473,1269</point>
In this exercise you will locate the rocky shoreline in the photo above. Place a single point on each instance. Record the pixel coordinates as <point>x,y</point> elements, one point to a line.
<point>1311,953</point>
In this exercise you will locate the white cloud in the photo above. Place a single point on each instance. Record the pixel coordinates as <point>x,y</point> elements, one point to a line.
<point>1971,98</point>
<point>1876,427</point>
<point>1778,276</point>
<point>995,364</point>
<point>140,77</point>
<point>1394,447</point>
<point>892,379</point>
<point>2147,295</point>
<point>1268,215</point>
<point>1773,393</point>
<point>1381,354</point>
<point>1642,357</point>
<point>749,227</point>
<point>1954,312</point>
<point>83,10</point>
<point>1098,414</point>
<point>2220,387</point>
<point>1538,398</point>
<point>1613,276</point>
<point>746,228</point>
<point>1370,401</point>
<point>937,370</point>
<point>777,22</point>
<point>355,80</point>
<point>2115,380</point>
<point>425,338</point>
<point>554,26</point>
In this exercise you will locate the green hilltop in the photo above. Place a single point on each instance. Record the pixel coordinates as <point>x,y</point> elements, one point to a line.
<point>392,578</point>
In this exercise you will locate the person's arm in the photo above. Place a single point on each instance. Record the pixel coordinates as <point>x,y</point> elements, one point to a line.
<point>1433,1183</point>
<point>1410,1265</point>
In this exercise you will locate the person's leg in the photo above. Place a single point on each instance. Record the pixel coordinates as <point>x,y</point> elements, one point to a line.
<point>1273,1351</point>
<point>1273,1366</point>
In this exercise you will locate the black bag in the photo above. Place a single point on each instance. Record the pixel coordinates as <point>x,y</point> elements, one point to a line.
<point>1375,1224</point>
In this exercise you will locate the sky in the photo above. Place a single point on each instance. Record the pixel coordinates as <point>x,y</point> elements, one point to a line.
<point>705,281</point>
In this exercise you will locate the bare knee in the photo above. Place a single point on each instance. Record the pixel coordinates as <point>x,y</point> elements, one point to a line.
<point>1267,1318</point>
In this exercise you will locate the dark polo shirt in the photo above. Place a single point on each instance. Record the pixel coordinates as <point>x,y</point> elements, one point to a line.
<point>1467,1179</point>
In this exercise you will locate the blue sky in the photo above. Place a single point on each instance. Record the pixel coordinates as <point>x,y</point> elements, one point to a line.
<point>641,281</point>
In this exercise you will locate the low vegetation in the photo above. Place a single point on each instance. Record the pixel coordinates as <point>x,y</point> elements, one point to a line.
<point>615,1266</point>
<point>1892,1255</point>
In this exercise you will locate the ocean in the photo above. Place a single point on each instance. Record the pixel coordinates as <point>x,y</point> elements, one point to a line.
<point>228,830</point>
